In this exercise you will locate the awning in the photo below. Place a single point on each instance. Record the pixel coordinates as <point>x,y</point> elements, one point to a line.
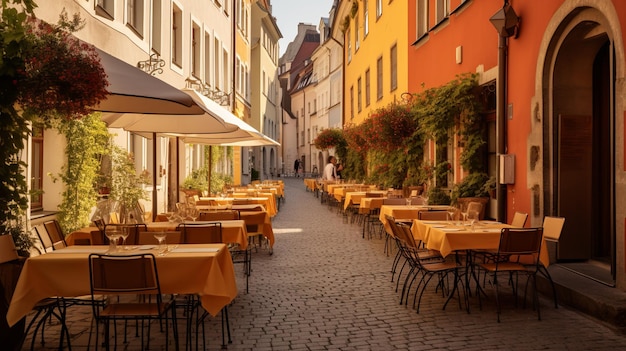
<point>246,135</point>
<point>132,90</point>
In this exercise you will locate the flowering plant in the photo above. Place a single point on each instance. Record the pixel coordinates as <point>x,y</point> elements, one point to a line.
<point>389,127</point>
<point>329,138</point>
<point>62,75</point>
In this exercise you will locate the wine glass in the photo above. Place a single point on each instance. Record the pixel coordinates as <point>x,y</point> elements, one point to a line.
<point>451,213</point>
<point>160,236</point>
<point>124,235</point>
<point>472,216</point>
<point>408,201</point>
<point>113,234</point>
<point>193,213</point>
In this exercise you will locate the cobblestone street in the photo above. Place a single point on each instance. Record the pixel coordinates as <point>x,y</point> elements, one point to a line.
<point>327,288</point>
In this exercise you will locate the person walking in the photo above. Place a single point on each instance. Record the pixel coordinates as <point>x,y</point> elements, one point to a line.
<point>330,172</point>
<point>296,167</point>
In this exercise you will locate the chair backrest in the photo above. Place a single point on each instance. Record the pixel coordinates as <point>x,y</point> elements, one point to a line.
<point>369,194</point>
<point>432,215</point>
<point>8,251</point>
<point>393,225</point>
<point>394,201</point>
<point>132,229</point>
<point>53,229</point>
<point>519,219</point>
<point>147,238</point>
<point>99,223</point>
<point>552,227</point>
<point>219,215</point>
<point>520,241</point>
<point>124,274</point>
<point>254,222</point>
<point>418,201</point>
<point>44,239</point>
<point>201,233</point>
<point>475,207</point>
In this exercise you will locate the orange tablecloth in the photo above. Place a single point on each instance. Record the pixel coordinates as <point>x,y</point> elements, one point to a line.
<point>370,203</point>
<point>447,238</point>
<point>65,273</point>
<point>403,212</point>
<point>355,197</point>
<point>310,183</point>
<point>269,202</point>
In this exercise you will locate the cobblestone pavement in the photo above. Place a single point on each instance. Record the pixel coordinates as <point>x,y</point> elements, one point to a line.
<point>327,288</point>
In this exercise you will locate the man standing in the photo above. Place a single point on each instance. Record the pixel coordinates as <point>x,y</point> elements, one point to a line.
<point>330,172</point>
<point>296,167</point>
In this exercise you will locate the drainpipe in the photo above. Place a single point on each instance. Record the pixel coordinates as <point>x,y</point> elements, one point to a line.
<point>507,24</point>
<point>501,125</point>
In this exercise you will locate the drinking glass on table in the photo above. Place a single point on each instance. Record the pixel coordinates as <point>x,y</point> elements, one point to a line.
<point>472,216</point>
<point>124,235</point>
<point>451,212</point>
<point>160,236</point>
<point>408,201</point>
<point>113,234</point>
<point>193,213</point>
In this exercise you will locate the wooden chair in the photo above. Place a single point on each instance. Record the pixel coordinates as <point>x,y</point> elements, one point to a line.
<point>132,230</point>
<point>200,233</point>
<point>140,278</point>
<point>394,201</point>
<point>432,215</point>
<point>57,238</point>
<point>552,228</point>
<point>517,243</point>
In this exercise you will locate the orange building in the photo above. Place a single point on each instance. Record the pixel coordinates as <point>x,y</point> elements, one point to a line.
<point>555,75</point>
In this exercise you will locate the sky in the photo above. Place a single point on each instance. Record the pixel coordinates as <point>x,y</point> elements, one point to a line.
<point>289,13</point>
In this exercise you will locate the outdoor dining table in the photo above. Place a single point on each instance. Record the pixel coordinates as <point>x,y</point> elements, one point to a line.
<point>205,270</point>
<point>448,237</point>
<point>269,202</point>
<point>354,197</point>
<point>404,212</point>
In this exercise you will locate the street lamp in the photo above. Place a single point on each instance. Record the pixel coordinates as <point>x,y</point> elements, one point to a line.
<point>506,21</point>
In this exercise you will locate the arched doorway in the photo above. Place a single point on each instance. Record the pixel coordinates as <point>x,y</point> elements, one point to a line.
<point>579,141</point>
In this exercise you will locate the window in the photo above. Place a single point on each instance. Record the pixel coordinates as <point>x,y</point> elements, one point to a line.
<point>134,15</point>
<point>177,36</point>
<point>226,81</point>
<point>442,10</point>
<point>105,8</point>
<point>357,40</point>
<point>422,18</point>
<point>217,63</point>
<point>366,20</point>
<point>238,70</point>
<point>367,87</point>
<point>156,25</point>
<point>207,58</point>
<point>352,102</point>
<point>359,95</point>
<point>195,50</point>
<point>36,183</point>
<point>263,82</point>
<point>379,78</point>
<point>393,67</point>
<point>349,46</point>
<point>379,8</point>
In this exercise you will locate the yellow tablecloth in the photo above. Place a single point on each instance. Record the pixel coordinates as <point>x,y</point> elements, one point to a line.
<point>310,183</point>
<point>268,201</point>
<point>404,212</point>
<point>355,197</point>
<point>65,273</point>
<point>370,203</point>
<point>446,237</point>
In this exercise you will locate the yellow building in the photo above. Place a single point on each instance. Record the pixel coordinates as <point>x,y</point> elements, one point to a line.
<point>375,38</point>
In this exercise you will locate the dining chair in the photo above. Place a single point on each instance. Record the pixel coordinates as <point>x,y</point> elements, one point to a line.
<point>552,228</point>
<point>428,263</point>
<point>219,215</point>
<point>202,233</point>
<point>132,229</point>
<point>57,238</point>
<point>394,201</point>
<point>475,207</point>
<point>432,215</point>
<point>518,244</point>
<point>519,219</point>
<point>134,295</point>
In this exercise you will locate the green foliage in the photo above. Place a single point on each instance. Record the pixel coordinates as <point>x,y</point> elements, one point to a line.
<point>354,165</point>
<point>473,185</point>
<point>329,138</point>
<point>198,180</point>
<point>86,138</point>
<point>254,174</point>
<point>126,184</point>
<point>438,196</point>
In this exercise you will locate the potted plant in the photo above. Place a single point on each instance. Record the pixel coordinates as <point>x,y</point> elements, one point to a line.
<point>438,196</point>
<point>475,187</point>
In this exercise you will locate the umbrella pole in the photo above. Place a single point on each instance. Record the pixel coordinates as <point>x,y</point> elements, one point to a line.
<point>209,167</point>
<point>177,170</point>
<point>154,177</point>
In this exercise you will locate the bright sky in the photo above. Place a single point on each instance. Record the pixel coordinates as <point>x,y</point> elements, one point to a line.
<point>289,13</point>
